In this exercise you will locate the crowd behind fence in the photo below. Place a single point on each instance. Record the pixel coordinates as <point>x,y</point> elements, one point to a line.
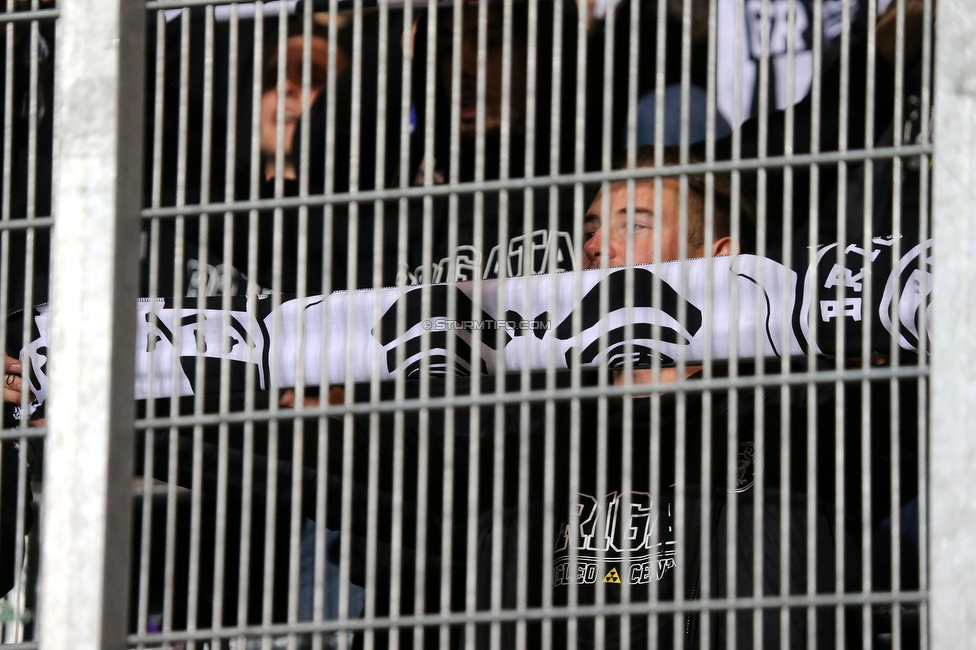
<point>515,324</point>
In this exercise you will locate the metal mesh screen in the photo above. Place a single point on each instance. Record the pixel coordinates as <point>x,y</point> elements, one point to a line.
<point>506,324</point>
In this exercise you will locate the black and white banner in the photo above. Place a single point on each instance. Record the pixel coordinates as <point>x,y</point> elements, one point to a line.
<point>742,307</point>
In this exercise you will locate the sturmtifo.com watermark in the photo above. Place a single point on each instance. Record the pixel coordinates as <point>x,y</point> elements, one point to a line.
<point>445,325</point>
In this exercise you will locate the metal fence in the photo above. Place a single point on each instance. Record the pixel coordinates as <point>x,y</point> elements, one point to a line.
<point>511,324</point>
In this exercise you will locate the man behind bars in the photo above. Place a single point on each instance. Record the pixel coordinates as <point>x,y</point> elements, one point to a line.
<point>665,533</point>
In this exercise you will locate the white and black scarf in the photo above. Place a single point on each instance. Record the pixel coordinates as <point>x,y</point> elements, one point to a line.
<point>717,309</point>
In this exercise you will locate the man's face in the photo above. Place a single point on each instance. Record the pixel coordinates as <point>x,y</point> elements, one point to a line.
<point>594,230</point>
<point>493,69</point>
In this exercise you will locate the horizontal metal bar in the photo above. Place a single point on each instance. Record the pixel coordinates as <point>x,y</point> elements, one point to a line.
<point>559,394</point>
<point>24,16</point>
<point>165,5</point>
<point>24,224</point>
<point>546,181</point>
<point>670,607</point>
<point>318,6</point>
<point>17,434</point>
<point>162,5</point>
<point>30,645</point>
<point>158,488</point>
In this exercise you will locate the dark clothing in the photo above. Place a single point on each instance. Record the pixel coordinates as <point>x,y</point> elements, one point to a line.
<point>771,430</point>
<point>10,481</point>
<point>674,561</point>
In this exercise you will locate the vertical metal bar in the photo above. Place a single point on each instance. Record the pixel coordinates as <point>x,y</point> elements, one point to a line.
<point>731,444</point>
<point>88,464</point>
<point>271,495</point>
<point>953,438</point>
<point>705,571</point>
<point>810,542</point>
<point>474,414</point>
<point>378,228</point>
<point>297,462</point>
<point>840,435</point>
<point>32,117</point>
<point>448,474</point>
<point>397,532</point>
<point>865,387</point>
<point>153,282</point>
<point>525,411</point>
<point>169,571</point>
<point>785,431</point>
<point>397,528</point>
<point>575,460</point>
<point>681,421</point>
<point>345,541</point>
<point>759,433</point>
<point>322,459</point>
<point>220,533</point>
<point>555,156</point>
<point>656,406</point>
<point>203,230</point>
<point>406,104</point>
<point>255,170</point>
<point>498,478</point>
<point>896,222</point>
